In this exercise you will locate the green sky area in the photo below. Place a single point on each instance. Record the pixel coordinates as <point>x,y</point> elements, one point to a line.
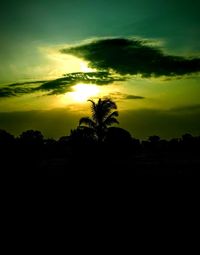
<point>43,39</point>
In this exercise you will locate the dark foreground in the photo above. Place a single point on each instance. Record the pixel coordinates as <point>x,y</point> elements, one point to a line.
<point>138,165</point>
<point>38,157</point>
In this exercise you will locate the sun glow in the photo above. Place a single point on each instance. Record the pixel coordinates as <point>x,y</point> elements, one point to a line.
<point>84,67</point>
<point>82,92</point>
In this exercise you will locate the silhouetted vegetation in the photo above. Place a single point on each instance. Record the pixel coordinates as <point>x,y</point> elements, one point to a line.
<point>99,148</point>
<point>102,118</point>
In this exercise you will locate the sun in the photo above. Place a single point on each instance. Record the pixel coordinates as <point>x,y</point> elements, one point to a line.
<point>82,92</point>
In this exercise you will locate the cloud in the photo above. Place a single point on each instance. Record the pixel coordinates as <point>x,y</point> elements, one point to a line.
<point>63,85</point>
<point>122,96</point>
<point>133,97</point>
<point>131,56</point>
<point>10,92</point>
<point>60,85</point>
<point>25,83</point>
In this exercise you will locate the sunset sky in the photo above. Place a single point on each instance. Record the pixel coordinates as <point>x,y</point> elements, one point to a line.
<point>144,54</point>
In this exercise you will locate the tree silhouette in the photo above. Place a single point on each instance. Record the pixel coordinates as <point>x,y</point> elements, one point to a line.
<point>5,138</point>
<point>103,116</point>
<point>118,141</point>
<point>7,144</point>
<point>31,137</point>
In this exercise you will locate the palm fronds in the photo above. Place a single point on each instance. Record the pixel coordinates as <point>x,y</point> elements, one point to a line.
<point>102,116</point>
<point>111,121</point>
<point>87,121</point>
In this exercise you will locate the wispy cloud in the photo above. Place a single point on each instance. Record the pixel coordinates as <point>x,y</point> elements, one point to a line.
<point>123,96</point>
<point>60,85</point>
<point>25,83</point>
<point>133,97</point>
<point>63,85</point>
<point>131,56</point>
<point>10,92</point>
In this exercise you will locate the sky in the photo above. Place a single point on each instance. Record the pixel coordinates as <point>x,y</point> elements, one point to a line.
<point>144,54</point>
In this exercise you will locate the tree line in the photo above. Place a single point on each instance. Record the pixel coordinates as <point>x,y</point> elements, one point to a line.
<point>96,143</point>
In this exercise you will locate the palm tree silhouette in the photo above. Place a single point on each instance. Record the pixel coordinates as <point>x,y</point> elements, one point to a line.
<point>102,117</point>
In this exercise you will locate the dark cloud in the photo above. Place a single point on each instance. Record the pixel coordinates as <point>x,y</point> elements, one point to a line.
<point>63,85</point>
<point>122,96</point>
<point>133,97</point>
<point>10,92</point>
<point>25,83</point>
<point>60,85</point>
<point>126,56</point>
